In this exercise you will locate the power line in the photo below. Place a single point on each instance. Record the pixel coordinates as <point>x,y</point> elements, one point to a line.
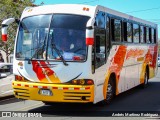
<point>155,19</point>
<point>89,2</point>
<point>144,10</point>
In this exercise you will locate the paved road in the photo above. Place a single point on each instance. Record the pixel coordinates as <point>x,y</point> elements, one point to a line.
<point>135,100</point>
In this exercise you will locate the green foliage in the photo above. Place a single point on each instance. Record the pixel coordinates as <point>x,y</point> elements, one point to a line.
<point>11,9</point>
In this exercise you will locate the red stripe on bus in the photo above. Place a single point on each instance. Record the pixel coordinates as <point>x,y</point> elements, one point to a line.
<point>65,88</point>
<point>87,88</point>
<point>26,85</point>
<point>76,88</point>
<point>35,86</point>
<point>44,87</point>
<point>89,41</point>
<point>18,84</point>
<point>55,87</point>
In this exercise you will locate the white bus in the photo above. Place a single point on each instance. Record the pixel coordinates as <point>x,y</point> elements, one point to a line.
<point>80,53</point>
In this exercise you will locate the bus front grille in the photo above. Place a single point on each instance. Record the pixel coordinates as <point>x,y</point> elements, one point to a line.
<point>77,96</point>
<point>21,93</point>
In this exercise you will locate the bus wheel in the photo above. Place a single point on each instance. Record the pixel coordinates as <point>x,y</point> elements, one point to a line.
<point>110,90</point>
<point>145,84</point>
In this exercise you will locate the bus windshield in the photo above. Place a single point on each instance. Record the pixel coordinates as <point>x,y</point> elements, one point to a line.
<point>52,37</point>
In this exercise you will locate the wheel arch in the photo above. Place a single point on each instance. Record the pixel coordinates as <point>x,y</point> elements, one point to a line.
<point>113,76</point>
<point>145,68</point>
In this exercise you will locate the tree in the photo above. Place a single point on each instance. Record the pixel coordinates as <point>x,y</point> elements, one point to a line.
<point>9,9</point>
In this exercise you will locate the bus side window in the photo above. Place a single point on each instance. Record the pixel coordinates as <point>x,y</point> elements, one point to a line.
<point>147,35</point>
<point>112,30</point>
<point>136,33</point>
<point>100,20</point>
<point>129,32</point>
<point>107,36</point>
<point>100,48</point>
<point>116,30</point>
<point>155,41</point>
<point>125,31</point>
<point>152,35</point>
<point>142,34</point>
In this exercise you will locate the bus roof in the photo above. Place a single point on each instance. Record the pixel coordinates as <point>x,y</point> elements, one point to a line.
<point>124,16</point>
<point>80,9</point>
<point>60,8</point>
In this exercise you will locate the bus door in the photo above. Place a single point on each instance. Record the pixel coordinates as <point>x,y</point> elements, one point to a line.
<point>101,46</point>
<point>100,53</point>
<point>99,62</point>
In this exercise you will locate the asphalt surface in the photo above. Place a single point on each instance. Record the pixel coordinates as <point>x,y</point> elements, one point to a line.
<point>137,101</point>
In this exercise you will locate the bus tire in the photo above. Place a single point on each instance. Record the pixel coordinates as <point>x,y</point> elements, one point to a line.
<point>146,77</point>
<point>110,90</point>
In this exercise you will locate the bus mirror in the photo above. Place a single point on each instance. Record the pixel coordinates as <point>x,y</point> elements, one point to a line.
<point>5,25</point>
<point>89,36</point>
<point>89,41</point>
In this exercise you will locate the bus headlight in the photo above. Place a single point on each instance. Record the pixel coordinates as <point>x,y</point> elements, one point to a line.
<point>90,82</point>
<point>82,82</point>
<point>74,82</point>
<point>20,78</point>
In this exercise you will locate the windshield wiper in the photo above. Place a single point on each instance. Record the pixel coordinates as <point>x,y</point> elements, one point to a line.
<point>37,51</point>
<point>59,54</point>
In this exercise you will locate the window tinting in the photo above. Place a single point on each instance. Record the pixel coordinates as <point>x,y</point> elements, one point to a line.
<point>147,35</point>
<point>100,20</point>
<point>152,35</point>
<point>129,32</point>
<point>155,41</point>
<point>142,34</point>
<point>107,34</point>
<point>117,30</point>
<point>125,31</point>
<point>136,33</point>
<point>100,47</point>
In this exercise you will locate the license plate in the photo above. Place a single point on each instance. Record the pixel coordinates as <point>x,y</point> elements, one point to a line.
<point>46,92</point>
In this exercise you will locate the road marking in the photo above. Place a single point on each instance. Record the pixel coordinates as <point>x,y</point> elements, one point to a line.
<point>30,107</point>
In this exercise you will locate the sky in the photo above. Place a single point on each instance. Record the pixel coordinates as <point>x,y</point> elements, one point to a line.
<point>145,9</point>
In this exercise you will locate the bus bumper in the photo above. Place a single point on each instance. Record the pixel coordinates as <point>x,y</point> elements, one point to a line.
<point>59,92</point>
